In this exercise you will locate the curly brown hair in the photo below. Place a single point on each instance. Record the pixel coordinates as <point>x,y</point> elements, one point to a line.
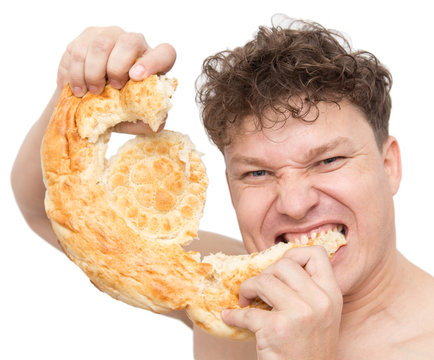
<point>304,61</point>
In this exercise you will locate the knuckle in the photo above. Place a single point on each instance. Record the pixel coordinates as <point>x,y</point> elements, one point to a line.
<point>116,72</point>
<point>77,52</point>
<point>90,30</point>
<point>115,29</point>
<point>292,252</point>
<point>103,43</point>
<point>327,312</point>
<point>281,327</point>
<point>284,263</point>
<point>281,267</point>
<point>132,39</point>
<point>69,47</point>
<point>266,337</point>
<point>264,279</point>
<point>262,342</point>
<point>279,324</point>
<point>249,315</point>
<point>152,60</point>
<point>305,313</point>
<point>325,305</point>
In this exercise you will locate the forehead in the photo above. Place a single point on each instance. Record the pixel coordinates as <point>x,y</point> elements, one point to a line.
<point>332,125</point>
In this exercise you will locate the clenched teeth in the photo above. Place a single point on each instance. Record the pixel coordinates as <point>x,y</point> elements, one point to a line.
<point>312,237</point>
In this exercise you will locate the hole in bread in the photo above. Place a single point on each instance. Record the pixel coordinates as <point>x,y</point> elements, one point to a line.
<point>115,142</point>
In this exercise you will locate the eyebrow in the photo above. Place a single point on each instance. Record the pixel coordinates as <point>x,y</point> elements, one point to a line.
<point>311,154</point>
<point>339,141</point>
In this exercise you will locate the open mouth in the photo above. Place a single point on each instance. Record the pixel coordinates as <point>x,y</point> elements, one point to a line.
<point>309,238</point>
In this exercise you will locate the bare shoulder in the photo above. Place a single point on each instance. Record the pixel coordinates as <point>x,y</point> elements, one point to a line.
<point>404,329</point>
<point>423,298</point>
<point>210,243</point>
<point>419,343</point>
<point>421,347</point>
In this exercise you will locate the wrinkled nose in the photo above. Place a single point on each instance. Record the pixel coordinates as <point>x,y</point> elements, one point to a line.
<point>296,197</point>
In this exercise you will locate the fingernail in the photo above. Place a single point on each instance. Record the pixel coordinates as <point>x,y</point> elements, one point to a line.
<point>78,91</point>
<point>137,71</point>
<point>94,89</point>
<point>115,84</point>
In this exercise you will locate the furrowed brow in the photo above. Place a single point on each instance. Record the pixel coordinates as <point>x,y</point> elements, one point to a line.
<point>310,154</point>
<point>322,149</point>
<point>247,160</point>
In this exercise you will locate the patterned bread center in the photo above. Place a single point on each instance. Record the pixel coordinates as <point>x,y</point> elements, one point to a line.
<point>150,186</point>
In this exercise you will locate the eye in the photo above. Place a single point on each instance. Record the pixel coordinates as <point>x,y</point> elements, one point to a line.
<point>332,163</point>
<point>258,173</point>
<point>330,160</point>
<point>256,177</point>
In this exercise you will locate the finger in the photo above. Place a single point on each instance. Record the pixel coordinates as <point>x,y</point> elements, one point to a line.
<point>269,289</point>
<point>63,70</point>
<point>252,319</point>
<point>77,52</point>
<point>127,49</point>
<point>154,61</point>
<point>315,261</point>
<point>294,276</point>
<point>96,61</point>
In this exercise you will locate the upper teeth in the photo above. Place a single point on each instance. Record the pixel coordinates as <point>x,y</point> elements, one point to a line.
<point>304,239</point>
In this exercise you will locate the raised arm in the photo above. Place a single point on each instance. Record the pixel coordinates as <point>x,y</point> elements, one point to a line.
<point>96,56</point>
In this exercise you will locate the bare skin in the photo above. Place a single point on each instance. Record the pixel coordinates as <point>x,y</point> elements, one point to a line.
<point>370,302</point>
<point>307,177</point>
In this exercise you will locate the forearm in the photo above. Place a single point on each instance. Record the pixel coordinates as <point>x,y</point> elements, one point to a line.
<point>26,176</point>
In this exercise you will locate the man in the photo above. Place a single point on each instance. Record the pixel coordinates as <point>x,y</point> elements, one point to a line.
<point>303,126</point>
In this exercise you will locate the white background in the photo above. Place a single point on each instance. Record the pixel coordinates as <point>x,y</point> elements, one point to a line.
<point>48,307</point>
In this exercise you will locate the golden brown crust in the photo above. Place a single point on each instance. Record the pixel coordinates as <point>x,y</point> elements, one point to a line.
<point>124,221</point>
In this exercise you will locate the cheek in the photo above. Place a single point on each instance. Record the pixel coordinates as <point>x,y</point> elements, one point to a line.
<point>361,190</point>
<point>372,206</point>
<point>369,201</point>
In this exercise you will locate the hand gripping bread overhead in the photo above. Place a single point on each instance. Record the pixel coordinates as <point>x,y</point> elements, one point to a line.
<point>124,221</point>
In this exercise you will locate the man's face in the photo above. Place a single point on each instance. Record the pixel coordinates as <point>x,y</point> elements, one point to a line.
<point>303,177</point>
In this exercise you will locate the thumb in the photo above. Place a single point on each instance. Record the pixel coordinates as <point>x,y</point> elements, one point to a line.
<point>158,60</point>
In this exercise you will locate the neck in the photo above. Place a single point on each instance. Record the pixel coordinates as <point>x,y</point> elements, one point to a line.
<point>377,294</point>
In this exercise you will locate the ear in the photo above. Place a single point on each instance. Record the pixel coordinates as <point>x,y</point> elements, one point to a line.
<point>229,187</point>
<point>392,163</point>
